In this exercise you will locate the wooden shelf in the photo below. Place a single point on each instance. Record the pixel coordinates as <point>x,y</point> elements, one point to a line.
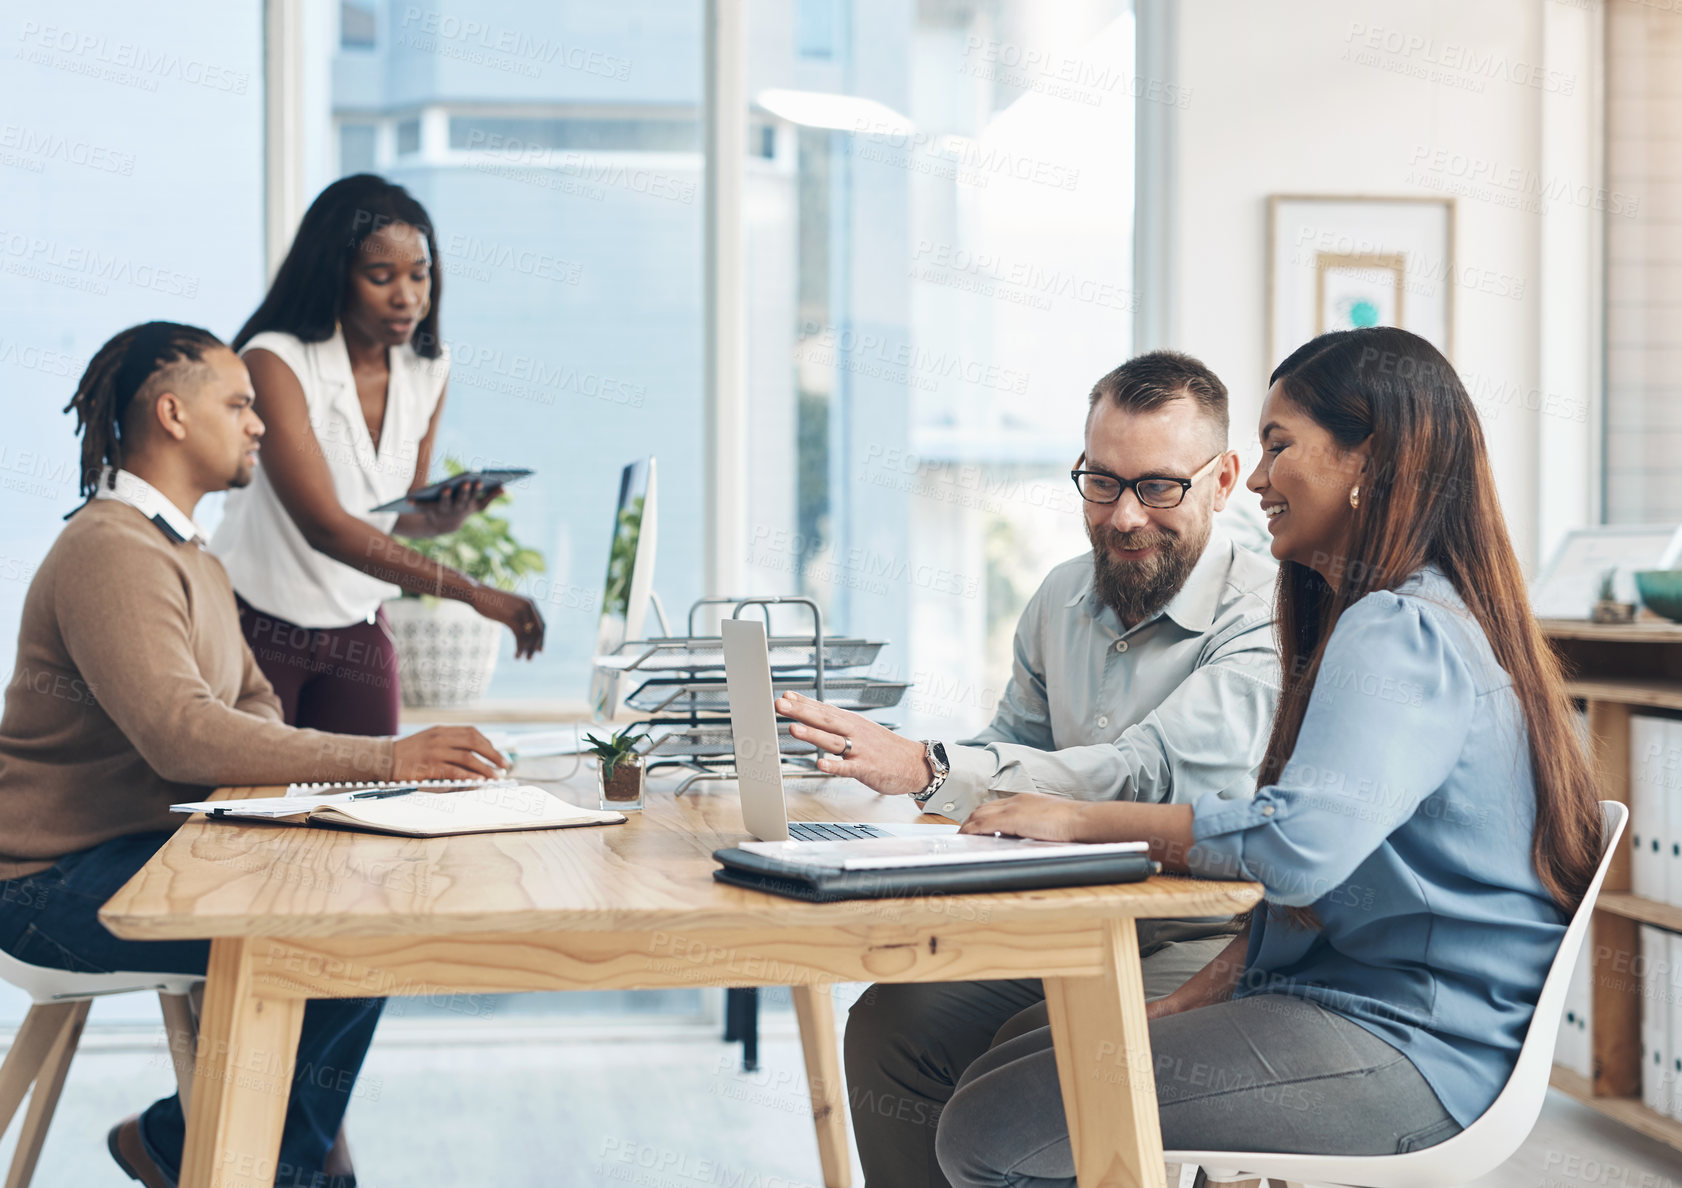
<point>1628,691</point>
<point>1634,907</point>
<point>1648,631</point>
<point>1617,677</point>
<point>1627,1110</point>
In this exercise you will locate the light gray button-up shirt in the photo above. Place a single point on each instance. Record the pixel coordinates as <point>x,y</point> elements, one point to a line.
<point>1168,711</point>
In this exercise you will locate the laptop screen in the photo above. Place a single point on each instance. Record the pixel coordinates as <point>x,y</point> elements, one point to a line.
<point>753,726</point>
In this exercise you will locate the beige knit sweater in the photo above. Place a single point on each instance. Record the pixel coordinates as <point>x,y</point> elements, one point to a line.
<point>135,690</point>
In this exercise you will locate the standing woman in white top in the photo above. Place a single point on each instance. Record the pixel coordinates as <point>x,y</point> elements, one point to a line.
<point>350,372</point>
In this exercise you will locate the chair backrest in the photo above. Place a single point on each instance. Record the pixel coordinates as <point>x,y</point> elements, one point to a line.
<point>1490,1140</point>
<point>45,984</point>
<point>1520,1103</point>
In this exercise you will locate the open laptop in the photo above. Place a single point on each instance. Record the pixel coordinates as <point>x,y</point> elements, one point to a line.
<point>759,764</point>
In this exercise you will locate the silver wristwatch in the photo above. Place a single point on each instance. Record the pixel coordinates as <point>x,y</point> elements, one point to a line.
<point>935,753</point>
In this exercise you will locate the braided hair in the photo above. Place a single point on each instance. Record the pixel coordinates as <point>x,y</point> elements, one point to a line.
<point>307,297</point>
<point>118,372</point>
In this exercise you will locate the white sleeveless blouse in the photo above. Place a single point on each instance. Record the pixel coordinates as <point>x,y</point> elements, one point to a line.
<point>270,563</point>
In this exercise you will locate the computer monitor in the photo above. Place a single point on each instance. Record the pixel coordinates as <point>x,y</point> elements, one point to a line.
<point>630,578</point>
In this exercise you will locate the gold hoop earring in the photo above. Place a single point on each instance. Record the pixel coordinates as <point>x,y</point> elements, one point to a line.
<point>1354,497</point>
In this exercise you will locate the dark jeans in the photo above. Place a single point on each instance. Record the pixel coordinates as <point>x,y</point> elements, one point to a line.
<point>1271,1072</point>
<point>51,919</point>
<point>342,679</point>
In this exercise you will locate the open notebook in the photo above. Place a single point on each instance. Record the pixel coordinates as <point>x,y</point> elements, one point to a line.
<point>488,809</point>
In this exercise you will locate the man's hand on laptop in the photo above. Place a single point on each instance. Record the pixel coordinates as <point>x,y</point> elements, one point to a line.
<point>446,753</point>
<point>857,747</point>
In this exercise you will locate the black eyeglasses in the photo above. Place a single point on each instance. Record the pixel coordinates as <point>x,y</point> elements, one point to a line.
<point>1097,486</point>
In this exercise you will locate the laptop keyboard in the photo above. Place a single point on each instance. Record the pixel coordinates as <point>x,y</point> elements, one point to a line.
<point>831,831</point>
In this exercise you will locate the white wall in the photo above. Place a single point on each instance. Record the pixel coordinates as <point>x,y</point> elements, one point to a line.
<point>1382,97</point>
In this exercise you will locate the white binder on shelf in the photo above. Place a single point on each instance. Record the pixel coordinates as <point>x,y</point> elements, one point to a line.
<point>1648,816</point>
<point>1667,779</point>
<point>1572,1050</point>
<point>1657,1085</point>
<point>1674,992</point>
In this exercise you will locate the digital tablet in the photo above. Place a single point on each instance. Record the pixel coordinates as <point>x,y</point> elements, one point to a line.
<point>413,501</point>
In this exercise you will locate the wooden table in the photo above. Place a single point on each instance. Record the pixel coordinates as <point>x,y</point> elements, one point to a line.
<point>294,914</point>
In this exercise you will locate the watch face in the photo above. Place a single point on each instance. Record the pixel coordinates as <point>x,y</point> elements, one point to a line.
<point>940,754</point>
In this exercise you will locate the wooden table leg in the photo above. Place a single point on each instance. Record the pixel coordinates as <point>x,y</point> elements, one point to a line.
<point>814,1010</point>
<point>243,1077</point>
<point>1104,1068</point>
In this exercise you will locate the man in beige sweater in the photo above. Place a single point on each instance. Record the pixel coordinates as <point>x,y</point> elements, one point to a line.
<point>134,689</point>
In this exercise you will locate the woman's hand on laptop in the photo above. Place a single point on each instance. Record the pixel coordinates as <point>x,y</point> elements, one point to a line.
<point>1166,828</point>
<point>446,753</point>
<point>1031,814</point>
<point>857,747</point>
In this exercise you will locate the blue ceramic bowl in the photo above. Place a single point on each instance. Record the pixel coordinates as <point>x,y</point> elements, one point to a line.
<point>1661,591</point>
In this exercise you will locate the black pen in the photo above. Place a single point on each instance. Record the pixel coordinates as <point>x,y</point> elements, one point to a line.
<point>382,793</point>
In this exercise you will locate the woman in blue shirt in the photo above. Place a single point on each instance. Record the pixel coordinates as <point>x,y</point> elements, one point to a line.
<point>1424,825</point>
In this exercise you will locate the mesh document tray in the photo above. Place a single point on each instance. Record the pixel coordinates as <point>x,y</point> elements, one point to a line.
<point>712,740</point>
<point>710,694</point>
<point>705,653</point>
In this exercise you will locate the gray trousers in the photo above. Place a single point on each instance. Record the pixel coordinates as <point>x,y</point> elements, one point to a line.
<point>907,1045</point>
<point>1271,1072</point>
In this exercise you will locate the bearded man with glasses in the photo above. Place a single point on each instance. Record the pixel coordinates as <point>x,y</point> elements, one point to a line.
<point>1144,670</point>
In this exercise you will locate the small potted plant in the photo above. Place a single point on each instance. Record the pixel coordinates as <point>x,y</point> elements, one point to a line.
<point>619,768</point>
<point>1607,608</point>
<point>446,651</point>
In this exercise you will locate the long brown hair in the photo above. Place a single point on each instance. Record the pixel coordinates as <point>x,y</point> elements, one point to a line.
<point>1428,497</point>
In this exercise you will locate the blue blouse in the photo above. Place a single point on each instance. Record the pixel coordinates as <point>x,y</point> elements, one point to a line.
<point>1404,818</point>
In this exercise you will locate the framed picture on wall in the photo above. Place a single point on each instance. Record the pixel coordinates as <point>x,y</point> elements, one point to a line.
<point>1341,262</point>
<point>1569,585</point>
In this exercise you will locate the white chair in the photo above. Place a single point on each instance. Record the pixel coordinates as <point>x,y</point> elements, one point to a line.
<point>1489,1141</point>
<point>40,1054</point>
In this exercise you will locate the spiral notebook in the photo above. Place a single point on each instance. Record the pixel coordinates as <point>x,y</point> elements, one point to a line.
<point>485,809</point>
<point>334,789</point>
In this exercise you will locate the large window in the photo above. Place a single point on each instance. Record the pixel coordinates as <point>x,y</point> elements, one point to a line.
<point>940,267</point>
<point>557,150</point>
<point>938,209</point>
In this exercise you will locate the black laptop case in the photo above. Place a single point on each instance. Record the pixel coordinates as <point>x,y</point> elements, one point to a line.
<point>824,884</point>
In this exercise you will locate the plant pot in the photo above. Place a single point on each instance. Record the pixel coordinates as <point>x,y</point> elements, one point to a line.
<point>622,790</point>
<point>1610,610</point>
<point>446,651</point>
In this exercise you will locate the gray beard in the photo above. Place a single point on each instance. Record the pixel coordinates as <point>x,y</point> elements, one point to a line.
<point>1136,590</point>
